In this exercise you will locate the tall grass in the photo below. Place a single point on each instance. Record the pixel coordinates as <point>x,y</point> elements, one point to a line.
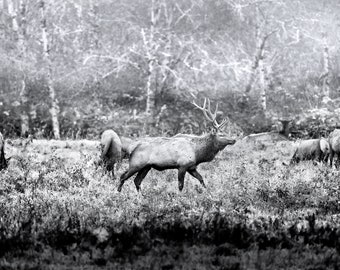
<point>62,212</point>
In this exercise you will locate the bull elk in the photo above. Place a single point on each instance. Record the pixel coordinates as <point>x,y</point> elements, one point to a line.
<point>182,152</point>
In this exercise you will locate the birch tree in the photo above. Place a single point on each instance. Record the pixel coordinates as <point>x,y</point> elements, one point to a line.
<point>150,47</point>
<point>324,78</point>
<point>54,107</point>
<point>273,23</point>
<point>164,50</point>
<point>258,68</point>
<point>320,31</point>
<point>18,19</point>
<point>93,13</point>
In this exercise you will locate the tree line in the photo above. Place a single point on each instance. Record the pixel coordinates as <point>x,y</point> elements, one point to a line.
<point>72,68</point>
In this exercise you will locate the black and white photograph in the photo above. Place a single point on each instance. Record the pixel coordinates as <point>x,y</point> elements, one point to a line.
<point>169,134</point>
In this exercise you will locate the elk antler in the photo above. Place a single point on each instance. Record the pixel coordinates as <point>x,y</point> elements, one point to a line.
<point>206,109</point>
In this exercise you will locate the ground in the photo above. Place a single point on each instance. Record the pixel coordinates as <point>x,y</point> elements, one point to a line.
<point>60,211</point>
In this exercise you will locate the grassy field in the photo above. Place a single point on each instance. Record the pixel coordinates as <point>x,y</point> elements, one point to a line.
<point>58,211</point>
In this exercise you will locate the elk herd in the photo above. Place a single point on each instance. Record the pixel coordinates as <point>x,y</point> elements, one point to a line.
<point>185,152</point>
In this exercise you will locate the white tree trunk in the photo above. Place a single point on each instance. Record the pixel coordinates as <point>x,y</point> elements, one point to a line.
<point>258,52</point>
<point>13,15</point>
<point>80,26</point>
<point>24,115</point>
<point>150,90</point>
<point>54,109</point>
<point>150,46</point>
<point>94,23</point>
<point>260,44</point>
<point>19,32</point>
<point>326,71</point>
<point>24,100</point>
<point>261,39</point>
<point>263,86</point>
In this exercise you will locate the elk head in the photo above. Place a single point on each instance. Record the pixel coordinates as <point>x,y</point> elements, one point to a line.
<point>220,140</point>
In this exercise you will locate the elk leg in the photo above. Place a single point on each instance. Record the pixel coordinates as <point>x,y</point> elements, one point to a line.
<point>197,175</point>
<point>331,155</point>
<point>111,168</point>
<point>337,162</point>
<point>140,176</point>
<point>126,175</point>
<point>325,158</point>
<point>181,175</point>
<point>319,156</point>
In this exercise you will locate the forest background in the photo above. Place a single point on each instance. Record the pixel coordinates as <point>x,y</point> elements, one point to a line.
<point>72,68</point>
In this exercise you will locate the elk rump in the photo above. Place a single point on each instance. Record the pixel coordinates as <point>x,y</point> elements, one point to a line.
<point>111,150</point>
<point>311,149</point>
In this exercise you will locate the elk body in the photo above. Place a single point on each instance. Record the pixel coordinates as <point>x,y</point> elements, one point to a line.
<point>3,161</point>
<point>111,147</point>
<point>334,143</point>
<point>129,145</point>
<point>184,152</point>
<point>311,149</point>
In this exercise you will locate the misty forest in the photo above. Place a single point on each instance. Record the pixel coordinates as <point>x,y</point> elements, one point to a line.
<point>220,117</point>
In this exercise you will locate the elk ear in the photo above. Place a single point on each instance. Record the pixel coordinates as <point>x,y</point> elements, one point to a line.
<point>324,146</point>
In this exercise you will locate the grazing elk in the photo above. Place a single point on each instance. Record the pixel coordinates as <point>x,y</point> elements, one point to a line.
<point>3,160</point>
<point>311,149</point>
<point>111,147</point>
<point>182,152</point>
<point>334,143</point>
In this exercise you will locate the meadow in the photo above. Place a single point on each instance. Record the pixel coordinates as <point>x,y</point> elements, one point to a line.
<point>58,210</point>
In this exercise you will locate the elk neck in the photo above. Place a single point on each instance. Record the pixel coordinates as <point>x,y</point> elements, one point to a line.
<point>206,147</point>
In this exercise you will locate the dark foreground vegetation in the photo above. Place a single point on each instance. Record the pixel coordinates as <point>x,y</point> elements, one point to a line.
<point>72,69</point>
<point>60,212</point>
